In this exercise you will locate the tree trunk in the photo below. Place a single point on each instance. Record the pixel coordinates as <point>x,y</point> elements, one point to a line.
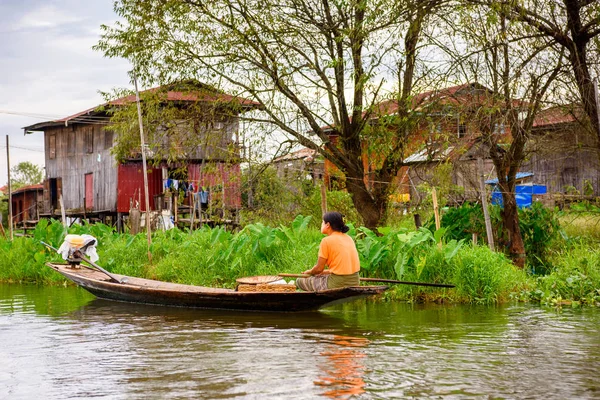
<point>371,209</point>
<point>510,219</point>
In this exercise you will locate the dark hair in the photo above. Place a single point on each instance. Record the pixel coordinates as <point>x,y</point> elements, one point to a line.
<point>336,221</point>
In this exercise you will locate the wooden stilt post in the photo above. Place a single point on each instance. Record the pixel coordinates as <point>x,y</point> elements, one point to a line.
<point>63,213</point>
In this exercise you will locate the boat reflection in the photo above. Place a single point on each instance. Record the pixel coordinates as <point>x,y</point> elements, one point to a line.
<point>344,368</point>
<point>141,314</point>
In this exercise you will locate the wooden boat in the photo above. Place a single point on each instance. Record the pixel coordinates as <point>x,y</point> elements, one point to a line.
<point>147,291</point>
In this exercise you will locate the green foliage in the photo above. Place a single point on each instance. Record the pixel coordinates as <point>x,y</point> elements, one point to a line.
<point>588,188</point>
<point>216,257</point>
<point>276,201</point>
<point>539,227</point>
<point>461,222</point>
<point>337,200</point>
<point>484,276</point>
<point>26,173</point>
<point>540,230</point>
<point>574,279</point>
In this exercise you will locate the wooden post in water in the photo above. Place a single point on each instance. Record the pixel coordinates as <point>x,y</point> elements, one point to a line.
<point>176,206</point>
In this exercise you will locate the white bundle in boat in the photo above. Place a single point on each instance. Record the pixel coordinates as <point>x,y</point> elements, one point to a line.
<point>85,243</point>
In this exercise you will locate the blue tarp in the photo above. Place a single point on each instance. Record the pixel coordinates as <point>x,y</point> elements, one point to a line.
<point>523,194</point>
<point>520,175</point>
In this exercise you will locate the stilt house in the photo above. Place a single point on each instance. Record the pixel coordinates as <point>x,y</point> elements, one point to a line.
<point>83,172</point>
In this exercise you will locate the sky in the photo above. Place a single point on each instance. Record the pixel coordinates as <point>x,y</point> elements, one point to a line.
<point>48,69</point>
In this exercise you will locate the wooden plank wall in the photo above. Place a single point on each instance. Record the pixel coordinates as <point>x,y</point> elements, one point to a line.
<point>73,161</point>
<point>564,159</point>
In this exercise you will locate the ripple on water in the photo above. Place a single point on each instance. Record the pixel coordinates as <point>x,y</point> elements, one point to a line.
<point>382,350</point>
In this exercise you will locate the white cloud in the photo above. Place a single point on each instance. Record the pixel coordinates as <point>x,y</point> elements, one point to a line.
<point>49,68</point>
<point>46,16</point>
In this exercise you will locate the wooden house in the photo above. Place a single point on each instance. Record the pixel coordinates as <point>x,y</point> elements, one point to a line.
<point>430,165</point>
<point>302,164</point>
<point>563,154</point>
<point>447,130</point>
<point>83,172</point>
<point>26,203</point>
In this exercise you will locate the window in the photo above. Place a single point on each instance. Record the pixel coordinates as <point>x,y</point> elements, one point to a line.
<point>89,140</point>
<point>108,139</point>
<point>52,146</point>
<point>462,130</point>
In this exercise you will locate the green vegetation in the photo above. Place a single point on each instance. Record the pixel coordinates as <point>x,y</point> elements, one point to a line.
<point>539,227</point>
<point>563,269</point>
<point>215,257</point>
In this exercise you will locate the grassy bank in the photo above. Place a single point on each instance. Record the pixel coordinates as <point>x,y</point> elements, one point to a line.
<point>215,257</point>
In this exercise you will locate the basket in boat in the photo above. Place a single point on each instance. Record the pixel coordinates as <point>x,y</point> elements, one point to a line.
<point>256,280</point>
<point>266,288</point>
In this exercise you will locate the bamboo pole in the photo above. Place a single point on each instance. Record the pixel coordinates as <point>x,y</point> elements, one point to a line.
<point>436,211</point>
<point>486,214</point>
<point>143,143</point>
<point>10,210</point>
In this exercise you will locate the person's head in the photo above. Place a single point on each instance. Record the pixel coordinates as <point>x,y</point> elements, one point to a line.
<point>335,221</point>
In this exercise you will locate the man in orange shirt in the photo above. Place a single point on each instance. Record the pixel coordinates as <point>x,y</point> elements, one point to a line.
<point>337,252</point>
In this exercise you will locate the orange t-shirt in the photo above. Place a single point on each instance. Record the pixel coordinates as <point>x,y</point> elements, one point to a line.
<point>340,252</point>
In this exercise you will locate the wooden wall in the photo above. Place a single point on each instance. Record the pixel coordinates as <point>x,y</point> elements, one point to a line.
<point>74,157</point>
<point>73,160</point>
<point>563,159</point>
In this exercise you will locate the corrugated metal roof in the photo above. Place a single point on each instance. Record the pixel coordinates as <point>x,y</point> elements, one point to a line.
<point>29,188</point>
<point>557,115</point>
<point>306,154</point>
<point>427,155</point>
<point>464,94</point>
<point>202,95</point>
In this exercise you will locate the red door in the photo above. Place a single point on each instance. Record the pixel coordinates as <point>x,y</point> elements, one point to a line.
<point>89,191</point>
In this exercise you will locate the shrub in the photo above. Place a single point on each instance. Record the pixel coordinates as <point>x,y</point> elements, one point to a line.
<point>574,278</point>
<point>484,276</point>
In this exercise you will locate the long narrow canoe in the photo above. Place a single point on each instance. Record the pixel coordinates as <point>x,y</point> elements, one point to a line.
<point>147,291</point>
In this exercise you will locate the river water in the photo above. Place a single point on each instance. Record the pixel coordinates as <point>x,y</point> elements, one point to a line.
<point>62,343</point>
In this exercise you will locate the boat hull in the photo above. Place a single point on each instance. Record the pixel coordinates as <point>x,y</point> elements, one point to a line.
<point>147,291</point>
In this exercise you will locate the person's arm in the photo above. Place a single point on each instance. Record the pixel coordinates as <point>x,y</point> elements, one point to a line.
<point>318,268</point>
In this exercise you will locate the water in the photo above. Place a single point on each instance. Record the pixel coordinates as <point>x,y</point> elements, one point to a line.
<point>62,343</point>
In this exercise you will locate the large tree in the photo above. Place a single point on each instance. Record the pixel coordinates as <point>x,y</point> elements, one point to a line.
<point>573,27</point>
<point>317,67</point>
<point>520,68</point>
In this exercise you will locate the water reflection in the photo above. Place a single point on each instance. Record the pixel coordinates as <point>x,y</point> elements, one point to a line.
<point>150,315</point>
<point>343,368</point>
